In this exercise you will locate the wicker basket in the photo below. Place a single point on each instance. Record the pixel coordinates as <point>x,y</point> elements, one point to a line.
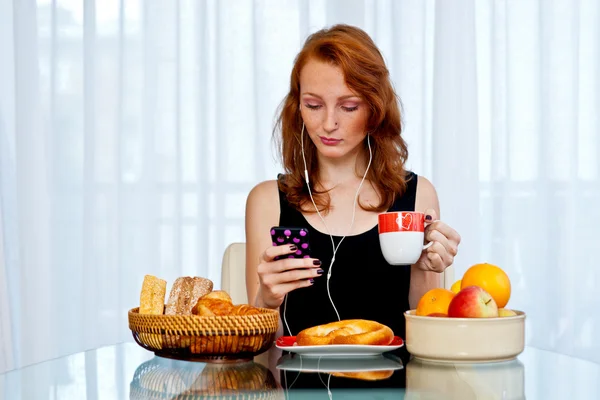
<point>173,379</point>
<point>218,338</point>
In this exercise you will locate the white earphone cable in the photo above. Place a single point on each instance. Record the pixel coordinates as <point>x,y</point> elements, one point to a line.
<point>335,248</point>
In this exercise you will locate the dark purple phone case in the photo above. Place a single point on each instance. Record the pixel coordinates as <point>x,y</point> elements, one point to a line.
<point>282,235</point>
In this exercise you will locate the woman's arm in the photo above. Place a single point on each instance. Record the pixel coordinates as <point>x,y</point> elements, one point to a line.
<point>262,212</point>
<point>422,281</point>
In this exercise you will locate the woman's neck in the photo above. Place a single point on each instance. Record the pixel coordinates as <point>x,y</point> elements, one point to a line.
<point>333,172</point>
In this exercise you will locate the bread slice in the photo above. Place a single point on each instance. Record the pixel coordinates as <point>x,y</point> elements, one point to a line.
<point>185,293</point>
<point>152,297</point>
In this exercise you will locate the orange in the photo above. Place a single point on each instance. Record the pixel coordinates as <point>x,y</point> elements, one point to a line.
<point>490,278</point>
<point>456,286</point>
<point>435,301</point>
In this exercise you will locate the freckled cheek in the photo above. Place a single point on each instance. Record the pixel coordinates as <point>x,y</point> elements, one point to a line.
<point>311,123</point>
<point>357,125</point>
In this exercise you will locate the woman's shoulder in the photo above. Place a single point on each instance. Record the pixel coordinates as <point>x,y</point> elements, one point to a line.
<point>264,191</point>
<point>262,203</point>
<point>424,185</point>
<point>426,195</point>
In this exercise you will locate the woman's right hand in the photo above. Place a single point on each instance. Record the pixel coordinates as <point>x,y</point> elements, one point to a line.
<point>279,277</point>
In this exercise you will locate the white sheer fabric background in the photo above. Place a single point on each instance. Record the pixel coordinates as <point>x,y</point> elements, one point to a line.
<point>131,132</point>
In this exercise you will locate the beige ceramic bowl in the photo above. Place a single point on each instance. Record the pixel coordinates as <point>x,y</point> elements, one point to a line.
<point>465,339</point>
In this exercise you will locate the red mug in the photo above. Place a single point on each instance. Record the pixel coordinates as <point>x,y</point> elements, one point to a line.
<point>401,236</point>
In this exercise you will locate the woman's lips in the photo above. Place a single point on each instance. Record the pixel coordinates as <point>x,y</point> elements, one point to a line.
<point>329,141</point>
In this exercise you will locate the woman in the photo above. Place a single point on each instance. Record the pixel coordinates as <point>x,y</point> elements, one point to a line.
<point>341,123</point>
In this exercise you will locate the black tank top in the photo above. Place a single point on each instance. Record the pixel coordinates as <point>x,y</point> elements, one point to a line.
<point>362,285</point>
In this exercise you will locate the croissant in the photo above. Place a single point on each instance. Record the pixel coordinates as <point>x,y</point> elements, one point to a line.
<point>219,302</point>
<point>244,309</point>
<point>214,303</point>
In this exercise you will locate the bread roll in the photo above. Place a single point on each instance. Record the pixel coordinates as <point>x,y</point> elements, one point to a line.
<point>365,375</point>
<point>351,331</point>
<point>152,297</point>
<point>185,294</point>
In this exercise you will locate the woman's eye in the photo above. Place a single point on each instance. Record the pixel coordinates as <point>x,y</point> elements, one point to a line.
<point>313,106</point>
<point>350,109</point>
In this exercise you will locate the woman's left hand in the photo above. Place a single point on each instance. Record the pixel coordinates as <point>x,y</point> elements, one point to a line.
<point>440,255</point>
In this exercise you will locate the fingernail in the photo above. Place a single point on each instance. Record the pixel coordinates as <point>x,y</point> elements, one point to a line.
<point>293,247</point>
<point>311,280</point>
<point>428,217</point>
<point>317,262</point>
<point>320,271</point>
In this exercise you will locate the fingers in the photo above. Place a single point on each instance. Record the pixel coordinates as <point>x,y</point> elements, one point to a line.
<point>288,264</point>
<point>294,276</point>
<point>283,289</point>
<point>448,246</point>
<point>430,215</point>
<point>279,277</point>
<point>431,218</point>
<point>441,253</point>
<point>445,230</point>
<point>435,262</point>
<point>278,284</point>
<point>273,251</point>
<point>439,256</point>
<point>292,269</point>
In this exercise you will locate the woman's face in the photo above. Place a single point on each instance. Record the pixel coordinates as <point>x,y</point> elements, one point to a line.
<point>334,117</point>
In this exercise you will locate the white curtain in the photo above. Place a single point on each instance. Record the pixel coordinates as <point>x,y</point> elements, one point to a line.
<point>131,132</point>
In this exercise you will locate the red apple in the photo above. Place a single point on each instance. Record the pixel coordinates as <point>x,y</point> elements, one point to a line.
<point>472,302</point>
<point>437,314</point>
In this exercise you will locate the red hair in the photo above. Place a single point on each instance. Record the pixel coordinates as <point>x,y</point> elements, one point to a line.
<point>366,74</point>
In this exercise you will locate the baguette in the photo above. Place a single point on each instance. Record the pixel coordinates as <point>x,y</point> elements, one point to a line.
<point>152,297</point>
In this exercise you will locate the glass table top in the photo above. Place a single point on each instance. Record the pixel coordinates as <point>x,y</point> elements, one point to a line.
<point>126,371</point>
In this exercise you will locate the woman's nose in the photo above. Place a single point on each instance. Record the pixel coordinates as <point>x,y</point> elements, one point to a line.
<point>330,123</point>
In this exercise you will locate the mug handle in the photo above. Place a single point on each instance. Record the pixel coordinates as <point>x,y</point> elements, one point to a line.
<point>428,245</point>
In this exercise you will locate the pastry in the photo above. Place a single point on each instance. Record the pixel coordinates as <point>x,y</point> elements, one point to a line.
<point>351,331</point>
<point>214,303</point>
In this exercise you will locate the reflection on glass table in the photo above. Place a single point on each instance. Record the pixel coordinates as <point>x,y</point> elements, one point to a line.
<point>387,377</point>
<point>126,371</point>
<point>303,377</point>
<point>383,365</point>
<point>166,378</point>
<point>501,380</point>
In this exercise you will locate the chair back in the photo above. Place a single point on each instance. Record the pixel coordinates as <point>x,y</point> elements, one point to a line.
<point>233,272</point>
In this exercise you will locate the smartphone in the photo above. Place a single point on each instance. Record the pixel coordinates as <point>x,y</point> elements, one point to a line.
<point>284,235</point>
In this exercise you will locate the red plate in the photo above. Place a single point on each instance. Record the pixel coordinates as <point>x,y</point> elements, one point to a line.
<point>286,341</point>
